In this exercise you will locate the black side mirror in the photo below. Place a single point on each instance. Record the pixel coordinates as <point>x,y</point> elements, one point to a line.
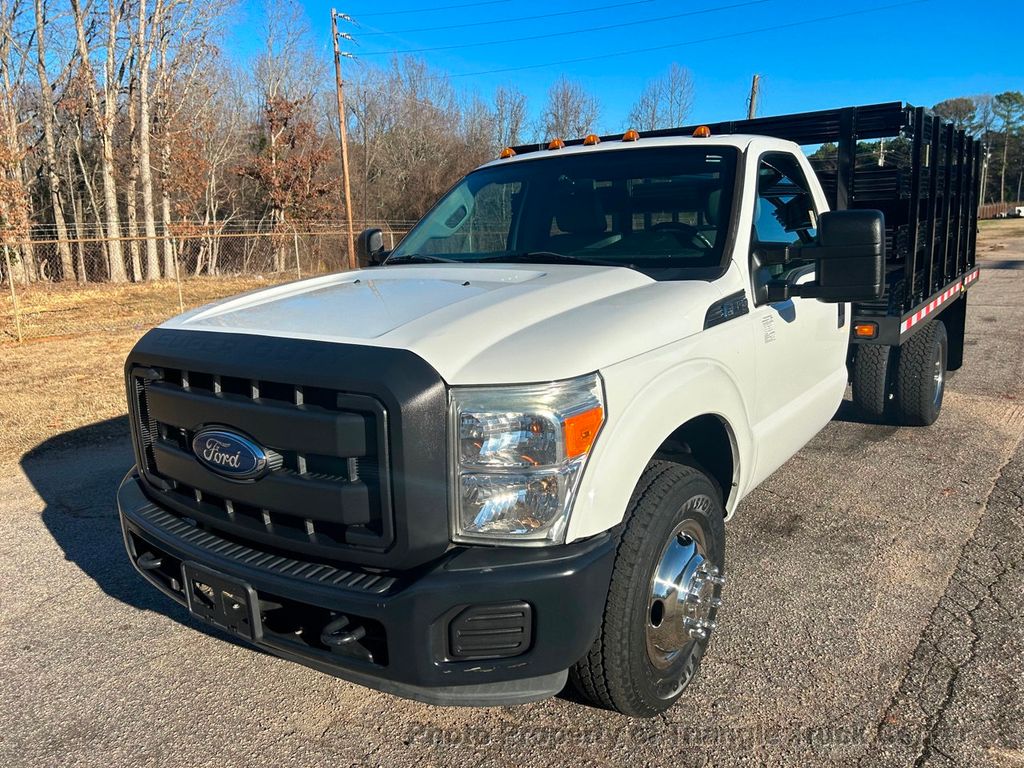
<point>370,247</point>
<point>849,259</point>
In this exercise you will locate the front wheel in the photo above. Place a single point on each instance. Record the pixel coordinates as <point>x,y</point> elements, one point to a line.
<point>665,593</point>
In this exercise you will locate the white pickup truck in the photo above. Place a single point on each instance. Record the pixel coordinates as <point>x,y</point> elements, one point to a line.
<point>504,455</point>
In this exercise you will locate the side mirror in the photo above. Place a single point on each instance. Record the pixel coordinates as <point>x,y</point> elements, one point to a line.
<point>370,247</point>
<point>849,259</point>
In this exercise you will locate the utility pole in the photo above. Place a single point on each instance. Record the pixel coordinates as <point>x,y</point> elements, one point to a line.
<point>752,101</point>
<point>343,133</point>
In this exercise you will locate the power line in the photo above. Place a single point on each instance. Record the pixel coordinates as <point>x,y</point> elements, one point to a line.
<point>492,22</point>
<point>435,8</point>
<point>697,41</point>
<point>547,35</point>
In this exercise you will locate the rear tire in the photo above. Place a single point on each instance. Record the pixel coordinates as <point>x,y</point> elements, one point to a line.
<point>653,636</point>
<point>921,376</point>
<point>872,380</point>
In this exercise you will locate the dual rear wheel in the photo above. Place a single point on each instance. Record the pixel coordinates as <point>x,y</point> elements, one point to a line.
<point>903,385</point>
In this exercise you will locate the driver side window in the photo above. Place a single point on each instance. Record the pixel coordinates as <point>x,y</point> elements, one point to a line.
<point>784,215</point>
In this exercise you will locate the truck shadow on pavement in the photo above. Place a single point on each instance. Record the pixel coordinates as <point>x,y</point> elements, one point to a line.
<point>76,475</point>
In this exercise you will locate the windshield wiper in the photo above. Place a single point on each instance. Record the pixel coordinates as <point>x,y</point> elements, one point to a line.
<point>419,258</point>
<point>546,257</point>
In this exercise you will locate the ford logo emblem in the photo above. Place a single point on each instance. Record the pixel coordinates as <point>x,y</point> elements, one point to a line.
<point>230,454</point>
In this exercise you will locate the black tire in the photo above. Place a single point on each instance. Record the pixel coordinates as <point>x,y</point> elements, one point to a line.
<point>921,376</point>
<point>617,673</point>
<point>872,381</point>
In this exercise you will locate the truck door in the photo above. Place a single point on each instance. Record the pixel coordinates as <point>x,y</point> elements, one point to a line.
<point>800,343</point>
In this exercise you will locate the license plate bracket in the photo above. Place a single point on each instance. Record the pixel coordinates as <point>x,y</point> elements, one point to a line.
<point>222,600</point>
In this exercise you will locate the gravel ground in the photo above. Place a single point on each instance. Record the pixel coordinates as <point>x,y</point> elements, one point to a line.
<point>873,617</point>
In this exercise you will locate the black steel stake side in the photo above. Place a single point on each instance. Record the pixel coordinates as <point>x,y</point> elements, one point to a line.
<point>913,220</point>
<point>947,199</point>
<point>846,157</point>
<point>933,202</point>
<point>979,148</point>
<point>961,256</point>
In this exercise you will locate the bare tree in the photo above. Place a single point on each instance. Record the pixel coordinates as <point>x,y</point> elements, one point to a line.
<point>144,51</point>
<point>13,63</point>
<point>570,111</point>
<point>50,160</point>
<point>665,102</point>
<point>106,120</point>
<point>183,55</point>
<point>984,119</point>
<point>509,116</point>
<point>14,219</point>
<point>221,144</point>
<point>372,117</point>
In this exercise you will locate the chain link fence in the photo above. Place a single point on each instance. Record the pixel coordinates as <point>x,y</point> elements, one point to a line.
<point>194,267</point>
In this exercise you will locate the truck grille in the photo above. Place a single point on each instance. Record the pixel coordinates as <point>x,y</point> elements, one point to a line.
<point>328,492</point>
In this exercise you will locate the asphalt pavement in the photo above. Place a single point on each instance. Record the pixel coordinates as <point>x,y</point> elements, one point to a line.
<point>873,618</point>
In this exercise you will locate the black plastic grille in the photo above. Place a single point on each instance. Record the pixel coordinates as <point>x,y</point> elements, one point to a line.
<point>329,486</point>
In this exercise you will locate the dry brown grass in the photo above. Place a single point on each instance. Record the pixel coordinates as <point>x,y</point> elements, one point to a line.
<point>49,386</point>
<point>48,310</point>
<point>994,233</point>
<point>55,382</point>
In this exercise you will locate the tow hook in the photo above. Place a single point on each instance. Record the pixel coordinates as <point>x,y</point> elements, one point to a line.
<point>342,636</point>
<point>149,562</point>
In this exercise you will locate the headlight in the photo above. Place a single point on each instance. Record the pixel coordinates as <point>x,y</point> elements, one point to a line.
<point>518,455</point>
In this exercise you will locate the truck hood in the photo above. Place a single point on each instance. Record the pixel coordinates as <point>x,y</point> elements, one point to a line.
<point>476,323</point>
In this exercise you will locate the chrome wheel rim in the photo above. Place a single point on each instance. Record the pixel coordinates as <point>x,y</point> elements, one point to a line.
<point>684,593</point>
<point>939,375</point>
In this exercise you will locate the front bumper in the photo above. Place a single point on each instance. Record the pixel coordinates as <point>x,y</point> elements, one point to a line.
<point>406,617</point>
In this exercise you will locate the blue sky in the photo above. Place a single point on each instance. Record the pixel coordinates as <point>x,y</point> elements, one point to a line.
<point>919,52</point>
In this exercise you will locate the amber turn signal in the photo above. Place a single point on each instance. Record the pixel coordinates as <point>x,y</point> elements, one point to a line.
<point>865,330</point>
<point>581,430</point>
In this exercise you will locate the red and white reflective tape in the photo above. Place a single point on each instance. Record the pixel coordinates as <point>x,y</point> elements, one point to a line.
<point>971,277</point>
<point>930,307</point>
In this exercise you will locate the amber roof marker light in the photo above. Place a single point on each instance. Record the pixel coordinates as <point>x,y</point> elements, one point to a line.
<point>701,132</point>
<point>631,135</point>
<point>506,153</point>
<point>556,144</point>
<point>591,140</point>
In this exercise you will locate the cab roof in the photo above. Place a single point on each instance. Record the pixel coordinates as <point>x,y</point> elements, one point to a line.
<point>739,141</point>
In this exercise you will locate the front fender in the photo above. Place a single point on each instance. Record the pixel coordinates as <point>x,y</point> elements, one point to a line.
<point>649,397</point>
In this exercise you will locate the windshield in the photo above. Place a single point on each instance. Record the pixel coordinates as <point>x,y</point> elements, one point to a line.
<point>660,210</point>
